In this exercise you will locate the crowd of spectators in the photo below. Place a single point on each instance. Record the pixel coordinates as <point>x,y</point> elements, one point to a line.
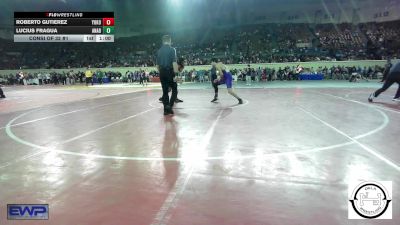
<point>265,74</point>
<point>264,43</point>
<point>248,74</point>
<point>57,78</point>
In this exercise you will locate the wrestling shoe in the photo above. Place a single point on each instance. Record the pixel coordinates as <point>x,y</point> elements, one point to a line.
<point>214,100</point>
<point>371,97</point>
<point>171,112</point>
<point>396,99</point>
<point>177,100</point>
<point>168,110</point>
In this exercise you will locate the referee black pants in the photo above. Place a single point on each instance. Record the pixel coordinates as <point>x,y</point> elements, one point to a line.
<point>167,81</point>
<point>391,79</point>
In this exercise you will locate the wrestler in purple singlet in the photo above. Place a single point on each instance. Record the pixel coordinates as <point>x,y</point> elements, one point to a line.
<point>227,79</point>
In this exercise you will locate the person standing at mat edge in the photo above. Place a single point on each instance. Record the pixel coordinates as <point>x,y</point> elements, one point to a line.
<point>168,67</point>
<point>89,76</point>
<point>392,77</point>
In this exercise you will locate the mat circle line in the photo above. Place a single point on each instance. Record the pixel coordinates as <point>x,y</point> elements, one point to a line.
<point>49,149</point>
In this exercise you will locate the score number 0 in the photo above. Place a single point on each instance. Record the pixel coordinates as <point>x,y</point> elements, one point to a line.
<point>108,21</point>
<point>108,25</point>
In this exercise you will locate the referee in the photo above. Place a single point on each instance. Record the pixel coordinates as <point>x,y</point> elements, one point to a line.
<point>167,66</point>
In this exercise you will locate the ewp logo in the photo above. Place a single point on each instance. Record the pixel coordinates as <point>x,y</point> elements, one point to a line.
<point>28,212</point>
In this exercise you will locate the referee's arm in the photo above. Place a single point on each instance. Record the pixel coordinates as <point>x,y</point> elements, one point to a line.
<point>157,61</point>
<point>174,63</point>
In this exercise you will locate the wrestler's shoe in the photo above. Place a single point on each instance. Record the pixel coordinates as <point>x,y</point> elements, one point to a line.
<point>371,97</point>
<point>168,110</point>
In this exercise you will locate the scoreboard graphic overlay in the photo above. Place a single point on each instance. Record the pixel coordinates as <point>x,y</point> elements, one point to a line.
<point>63,26</point>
